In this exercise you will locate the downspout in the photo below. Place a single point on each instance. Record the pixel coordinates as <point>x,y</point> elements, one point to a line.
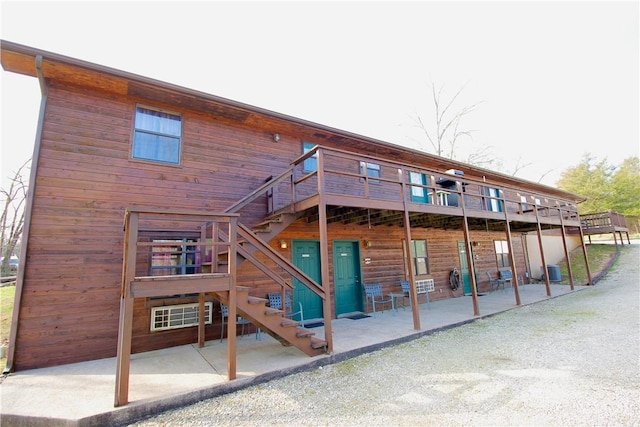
<point>35,160</point>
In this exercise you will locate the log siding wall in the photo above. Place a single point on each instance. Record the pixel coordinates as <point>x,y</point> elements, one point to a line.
<point>86,180</point>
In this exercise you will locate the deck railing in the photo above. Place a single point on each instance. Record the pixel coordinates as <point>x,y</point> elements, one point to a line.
<point>354,178</point>
<point>603,221</point>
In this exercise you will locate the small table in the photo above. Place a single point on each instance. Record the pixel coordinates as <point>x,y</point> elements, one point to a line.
<point>393,297</point>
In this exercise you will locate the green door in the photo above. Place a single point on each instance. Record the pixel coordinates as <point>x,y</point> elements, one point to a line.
<point>346,271</point>
<point>464,268</point>
<point>306,256</point>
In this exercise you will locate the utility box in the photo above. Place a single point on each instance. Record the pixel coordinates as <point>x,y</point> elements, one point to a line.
<point>554,273</point>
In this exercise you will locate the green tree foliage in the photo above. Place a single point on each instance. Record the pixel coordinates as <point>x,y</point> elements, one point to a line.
<point>625,188</point>
<point>607,187</point>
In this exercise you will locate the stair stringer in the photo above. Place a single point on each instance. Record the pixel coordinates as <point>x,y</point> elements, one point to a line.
<point>274,225</point>
<point>272,321</point>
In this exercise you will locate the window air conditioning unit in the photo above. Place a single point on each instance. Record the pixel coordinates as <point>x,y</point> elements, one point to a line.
<point>424,286</point>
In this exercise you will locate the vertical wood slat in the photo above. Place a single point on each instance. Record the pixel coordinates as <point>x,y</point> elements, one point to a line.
<point>125,324</point>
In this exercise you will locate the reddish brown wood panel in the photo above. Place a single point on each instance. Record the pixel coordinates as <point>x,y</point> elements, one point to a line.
<point>86,180</point>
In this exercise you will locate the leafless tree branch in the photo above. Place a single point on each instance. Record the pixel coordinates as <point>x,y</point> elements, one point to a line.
<point>12,217</point>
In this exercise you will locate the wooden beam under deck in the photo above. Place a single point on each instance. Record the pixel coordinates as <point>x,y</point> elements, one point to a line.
<point>155,286</point>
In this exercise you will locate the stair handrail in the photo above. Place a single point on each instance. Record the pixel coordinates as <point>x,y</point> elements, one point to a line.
<point>250,237</point>
<point>246,233</point>
<point>260,190</point>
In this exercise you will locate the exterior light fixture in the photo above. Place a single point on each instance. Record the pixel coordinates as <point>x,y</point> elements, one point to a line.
<point>283,244</point>
<point>276,137</point>
<point>367,243</point>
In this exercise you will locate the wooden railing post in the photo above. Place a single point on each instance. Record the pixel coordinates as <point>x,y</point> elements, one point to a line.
<point>125,324</point>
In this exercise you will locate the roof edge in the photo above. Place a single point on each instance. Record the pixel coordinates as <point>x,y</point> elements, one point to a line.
<point>8,46</point>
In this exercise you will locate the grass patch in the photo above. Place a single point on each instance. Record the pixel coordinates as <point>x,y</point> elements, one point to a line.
<point>599,257</point>
<point>7,294</point>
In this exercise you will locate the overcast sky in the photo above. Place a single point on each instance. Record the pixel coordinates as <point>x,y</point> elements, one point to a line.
<point>554,79</point>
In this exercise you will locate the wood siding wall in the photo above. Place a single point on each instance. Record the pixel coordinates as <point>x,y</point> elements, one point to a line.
<point>86,180</point>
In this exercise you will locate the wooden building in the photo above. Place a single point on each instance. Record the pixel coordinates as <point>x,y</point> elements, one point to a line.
<point>151,204</point>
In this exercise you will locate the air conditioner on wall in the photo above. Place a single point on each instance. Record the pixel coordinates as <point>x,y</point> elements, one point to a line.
<point>424,286</point>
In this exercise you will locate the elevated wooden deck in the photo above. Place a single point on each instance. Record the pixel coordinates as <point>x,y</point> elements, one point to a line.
<point>605,223</point>
<point>367,189</point>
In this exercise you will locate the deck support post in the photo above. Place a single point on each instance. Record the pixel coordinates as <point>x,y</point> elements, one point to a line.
<point>413,292</point>
<point>324,254</point>
<point>125,324</point>
<point>512,258</point>
<point>467,243</point>
<point>233,309</point>
<point>586,258</point>
<point>201,296</point>
<point>542,257</point>
<point>566,251</point>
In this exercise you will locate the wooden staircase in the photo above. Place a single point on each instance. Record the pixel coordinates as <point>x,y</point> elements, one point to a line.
<point>256,239</point>
<point>273,321</point>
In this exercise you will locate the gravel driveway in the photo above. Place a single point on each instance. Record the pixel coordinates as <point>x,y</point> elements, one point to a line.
<point>572,360</point>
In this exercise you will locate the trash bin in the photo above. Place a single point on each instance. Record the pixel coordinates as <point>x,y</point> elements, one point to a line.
<point>554,273</point>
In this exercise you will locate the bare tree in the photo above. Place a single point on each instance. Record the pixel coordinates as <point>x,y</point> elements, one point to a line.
<point>447,129</point>
<point>12,219</point>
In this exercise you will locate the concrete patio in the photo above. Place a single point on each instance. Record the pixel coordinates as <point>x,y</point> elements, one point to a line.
<point>82,394</point>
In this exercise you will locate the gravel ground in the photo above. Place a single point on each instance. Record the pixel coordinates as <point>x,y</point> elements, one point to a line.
<point>573,360</point>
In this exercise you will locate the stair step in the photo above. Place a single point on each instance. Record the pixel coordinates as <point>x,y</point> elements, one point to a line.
<point>260,230</point>
<point>287,323</point>
<point>270,220</point>
<point>300,333</point>
<point>257,300</point>
<point>270,311</point>
<point>243,288</point>
<point>317,343</point>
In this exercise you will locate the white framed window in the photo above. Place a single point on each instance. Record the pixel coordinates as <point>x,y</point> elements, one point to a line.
<point>418,193</point>
<point>310,164</point>
<point>157,136</point>
<point>494,204</point>
<point>502,253</point>
<point>419,257</point>
<point>372,170</point>
<point>179,316</point>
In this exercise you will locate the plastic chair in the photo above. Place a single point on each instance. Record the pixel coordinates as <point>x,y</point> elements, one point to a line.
<point>494,282</point>
<point>373,293</point>
<point>275,301</point>
<point>507,276</point>
<point>407,293</point>
<point>406,290</point>
<point>224,312</point>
